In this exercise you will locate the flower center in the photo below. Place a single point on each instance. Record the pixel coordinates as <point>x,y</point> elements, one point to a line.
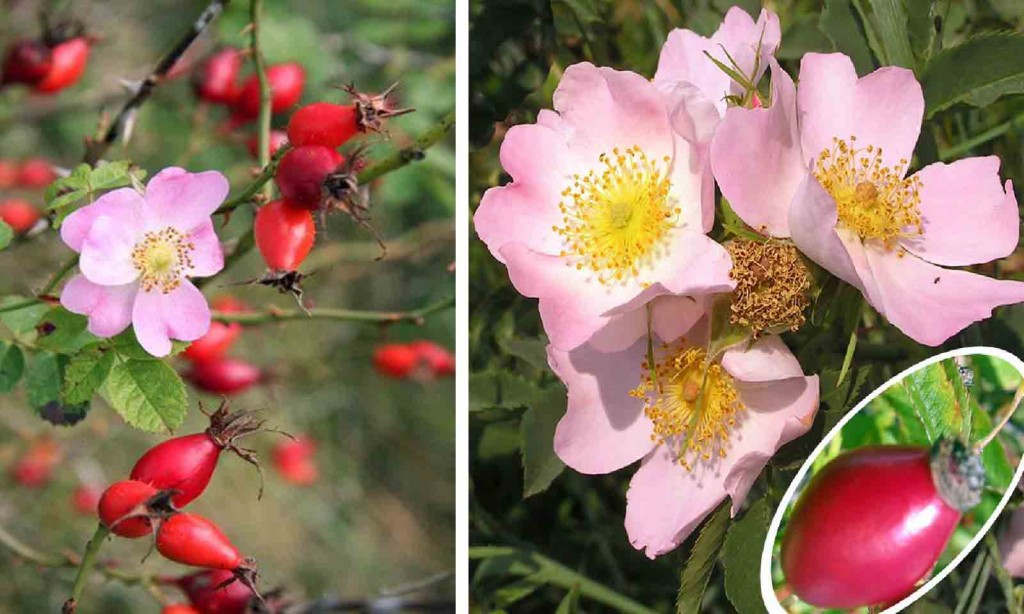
<point>693,407</point>
<point>615,218</point>
<point>161,258</point>
<point>772,286</point>
<point>873,200</point>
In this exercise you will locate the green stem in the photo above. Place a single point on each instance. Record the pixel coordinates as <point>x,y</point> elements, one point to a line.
<point>92,550</point>
<point>409,153</point>
<point>416,316</point>
<point>260,181</point>
<point>263,127</point>
<point>980,139</point>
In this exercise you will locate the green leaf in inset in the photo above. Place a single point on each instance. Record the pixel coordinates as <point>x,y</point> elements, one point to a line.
<point>998,470</point>
<point>148,394</point>
<point>494,388</point>
<point>892,27</point>
<point>693,580</point>
<point>537,431</point>
<point>977,72</point>
<point>741,557</point>
<point>932,399</point>
<point>22,320</point>
<point>63,332</point>
<point>12,364</point>
<point>6,234</point>
<point>842,24</point>
<point>85,373</point>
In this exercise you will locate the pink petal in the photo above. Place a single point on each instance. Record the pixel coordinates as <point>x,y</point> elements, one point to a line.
<point>767,359</point>
<point>756,158</point>
<point>208,256</point>
<point>671,317</point>
<point>928,303</point>
<point>682,57</point>
<point>608,108</point>
<point>184,200</point>
<point>180,314</point>
<point>107,252</point>
<point>109,308</point>
<point>883,109</point>
<point>1011,544</point>
<point>812,224</point>
<point>968,216</point>
<point>120,204</point>
<point>604,428</point>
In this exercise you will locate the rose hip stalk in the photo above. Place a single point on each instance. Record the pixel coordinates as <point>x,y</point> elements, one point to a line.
<point>186,463</point>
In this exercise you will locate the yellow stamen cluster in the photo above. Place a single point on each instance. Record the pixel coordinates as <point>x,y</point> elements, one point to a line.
<point>162,258</point>
<point>615,217</point>
<point>693,406</point>
<point>873,200</point>
<point>772,285</point>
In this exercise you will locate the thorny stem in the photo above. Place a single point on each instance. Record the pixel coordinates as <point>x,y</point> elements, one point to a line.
<point>121,126</point>
<point>416,316</point>
<point>263,127</point>
<point>409,153</point>
<point>260,181</point>
<point>1003,420</point>
<point>92,550</point>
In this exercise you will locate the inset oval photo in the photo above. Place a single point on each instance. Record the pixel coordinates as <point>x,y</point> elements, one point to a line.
<point>901,491</point>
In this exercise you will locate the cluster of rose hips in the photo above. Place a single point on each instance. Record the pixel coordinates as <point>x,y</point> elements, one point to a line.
<point>32,174</point>
<point>421,360</point>
<point>168,477</point>
<point>48,64</point>
<point>217,82</point>
<point>212,370</point>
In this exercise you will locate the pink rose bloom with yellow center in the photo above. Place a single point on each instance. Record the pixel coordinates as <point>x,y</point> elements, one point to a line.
<point>704,432</point>
<point>608,208</point>
<point>826,165</point>
<point>138,253</point>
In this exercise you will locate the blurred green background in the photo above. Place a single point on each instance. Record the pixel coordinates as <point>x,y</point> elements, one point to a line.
<point>896,417</point>
<point>382,513</point>
<point>543,538</point>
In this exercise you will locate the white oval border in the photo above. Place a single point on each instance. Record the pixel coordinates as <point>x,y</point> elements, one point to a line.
<point>768,591</point>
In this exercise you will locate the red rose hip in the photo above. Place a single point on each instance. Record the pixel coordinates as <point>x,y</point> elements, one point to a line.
<point>300,176</point>
<point>872,523</point>
<point>284,232</point>
<point>191,539</point>
<point>396,360</point>
<point>19,215</point>
<point>286,83</point>
<point>217,80</point>
<point>69,60</point>
<point>205,591</point>
<point>27,61</point>
<point>225,376</point>
<point>122,499</point>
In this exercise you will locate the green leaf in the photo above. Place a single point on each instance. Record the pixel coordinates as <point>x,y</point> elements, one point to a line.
<point>63,332</point>
<point>532,351</point>
<point>494,388</point>
<point>6,234</point>
<point>127,346</point>
<point>86,372</point>
<point>932,399</point>
<point>43,386</point>
<point>724,334</point>
<point>12,364</point>
<point>695,575</point>
<point>998,470</point>
<point>841,23</point>
<point>892,26</point>
<point>741,558</point>
<point>148,394</point>
<point>977,72</point>
<point>537,431</point>
<point>570,604</point>
<point>920,29</point>
<point>87,182</point>
<point>22,320</point>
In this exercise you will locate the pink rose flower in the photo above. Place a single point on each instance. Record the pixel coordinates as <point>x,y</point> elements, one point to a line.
<point>753,401</point>
<point>684,56</point>
<point>607,208</point>
<point>138,253</point>
<point>826,164</point>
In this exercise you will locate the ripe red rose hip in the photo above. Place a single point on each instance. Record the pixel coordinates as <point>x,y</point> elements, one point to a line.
<point>286,83</point>
<point>284,233</point>
<point>225,376</point>
<point>8,174</point>
<point>179,608</point>
<point>120,501</point>
<point>301,174</point>
<point>332,125</point>
<point>186,464</point>
<point>27,61</point>
<point>874,521</point>
<point>34,468</point>
<point>36,173</point>
<point>205,591</point>
<point>396,360</point>
<point>85,499</point>
<point>19,215</point>
<point>217,80</point>
<point>69,60</point>
<point>440,361</point>
<point>191,539</point>
<point>293,460</point>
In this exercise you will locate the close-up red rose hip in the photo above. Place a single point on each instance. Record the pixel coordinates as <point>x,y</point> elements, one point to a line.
<point>302,172</point>
<point>27,61</point>
<point>872,523</point>
<point>294,460</point>
<point>214,591</point>
<point>286,84</point>
<point>191,539</point>
<point>20,215</point>
<point>36,173</point>
<point>216,81</point>
<point>396,360</point>
<point>69,62</point>
<point>225,376</point>
<point>119,505</point>
<point>438,360</point>
<point>85,498</point>
<point>284,232</point>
